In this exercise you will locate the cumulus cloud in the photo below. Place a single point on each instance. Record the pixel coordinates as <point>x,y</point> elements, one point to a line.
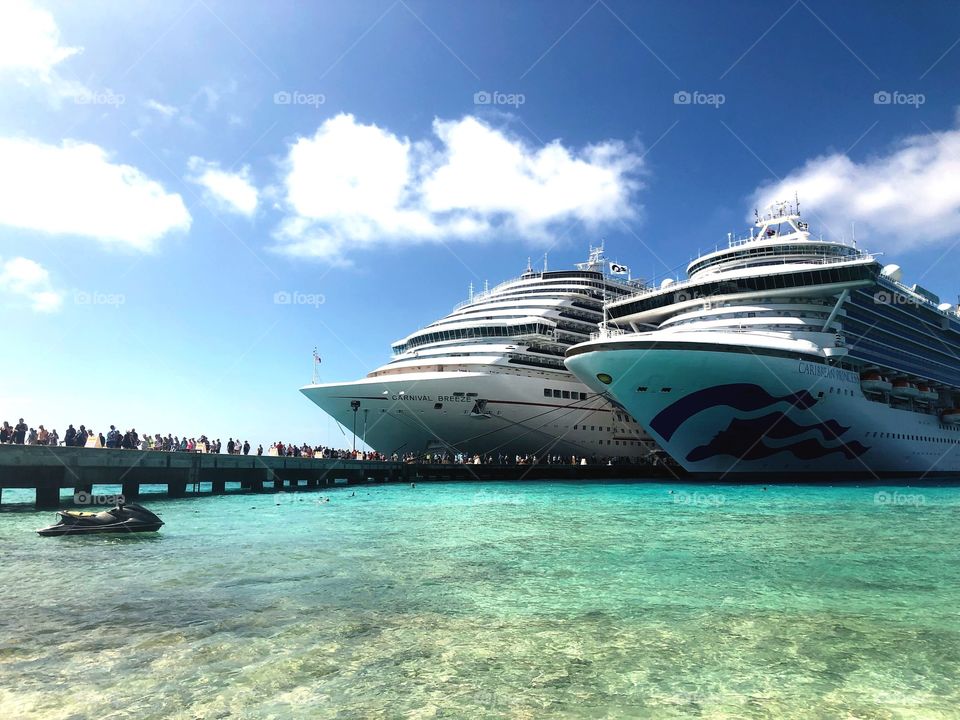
<point>231,191</point>
<point>74,189</point>
<point>30,41</point>
<point>898,199</point>
<point>24,279</point>
<point>353,185</point>
<point>31,51</point>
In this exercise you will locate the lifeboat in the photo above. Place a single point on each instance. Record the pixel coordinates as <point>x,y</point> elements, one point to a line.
<point>875,382</point>
<point>928,393</point>
<point>951,416</point>
<point>905,389</point>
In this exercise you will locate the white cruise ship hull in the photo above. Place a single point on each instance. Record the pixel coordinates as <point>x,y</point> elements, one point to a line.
<point>418,412</point>
<point>729,411</point>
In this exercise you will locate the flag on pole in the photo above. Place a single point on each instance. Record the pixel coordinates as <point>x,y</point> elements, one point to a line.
<point>616,269</point>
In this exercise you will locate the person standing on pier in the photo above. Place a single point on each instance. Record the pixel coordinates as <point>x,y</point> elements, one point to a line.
<point>246,447</point>
<point>20,432</point>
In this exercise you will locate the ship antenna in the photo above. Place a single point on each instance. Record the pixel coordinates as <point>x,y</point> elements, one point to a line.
<point>796,201</point>
<point>471,291</point>
<point>529,266</point>
<point>316,365</point>
<point>544,262</point>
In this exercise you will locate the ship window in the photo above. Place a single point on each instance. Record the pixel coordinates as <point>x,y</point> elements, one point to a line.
<point>438,406</point>
<point>566,394</point>
<point>546,392</point>
<point>583,396</point>
<point>666,389</point>
<point>556,393</point>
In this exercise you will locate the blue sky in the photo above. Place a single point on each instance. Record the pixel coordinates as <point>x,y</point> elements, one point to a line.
<point>171,173</point>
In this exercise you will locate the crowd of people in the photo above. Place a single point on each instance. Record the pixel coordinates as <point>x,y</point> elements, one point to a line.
<point>22,434</point>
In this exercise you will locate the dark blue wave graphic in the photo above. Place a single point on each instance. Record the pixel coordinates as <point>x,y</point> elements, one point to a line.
<point>740,396</point>
<point>743,439</point>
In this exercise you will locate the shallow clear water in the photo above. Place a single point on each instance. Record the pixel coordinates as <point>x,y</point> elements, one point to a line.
<point>520,600</point>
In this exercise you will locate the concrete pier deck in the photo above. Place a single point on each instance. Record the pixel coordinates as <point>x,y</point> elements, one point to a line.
<point>47,470</point>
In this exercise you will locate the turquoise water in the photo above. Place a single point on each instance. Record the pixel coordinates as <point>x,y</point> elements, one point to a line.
<point>513,600</point>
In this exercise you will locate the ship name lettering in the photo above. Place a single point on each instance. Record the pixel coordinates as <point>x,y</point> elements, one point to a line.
<point>826,371</point>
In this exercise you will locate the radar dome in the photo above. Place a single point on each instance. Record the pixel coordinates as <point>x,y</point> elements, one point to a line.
<point>945,307</point>
<point>894,272</point>
<point>667,282</point>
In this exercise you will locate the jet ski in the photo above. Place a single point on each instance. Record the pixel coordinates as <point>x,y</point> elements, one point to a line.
<point>128,517</point>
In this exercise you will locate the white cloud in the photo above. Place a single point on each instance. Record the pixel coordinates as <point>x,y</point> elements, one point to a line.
<point>903,198</point>
<point>27,279</point>
<point>30,51</point>
<point>30,41</point>
<point>231,191</point>
<point>74,189</point>
<point>353,185</point>
<point>166,111</point>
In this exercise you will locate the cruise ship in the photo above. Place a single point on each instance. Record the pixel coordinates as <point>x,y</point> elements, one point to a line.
<point>488,379</point>
<point>786,355</point>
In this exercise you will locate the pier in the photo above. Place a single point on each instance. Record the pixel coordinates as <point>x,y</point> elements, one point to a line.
<point>48,470</point>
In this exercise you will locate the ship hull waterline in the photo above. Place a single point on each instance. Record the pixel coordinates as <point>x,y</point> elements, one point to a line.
<point>437,412</point>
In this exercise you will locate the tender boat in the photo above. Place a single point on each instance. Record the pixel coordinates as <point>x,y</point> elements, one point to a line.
<point>122,518</point>
<point>928,393</point>
<point>905,389</point>
<point>951,417</point>
<point>875,382</point>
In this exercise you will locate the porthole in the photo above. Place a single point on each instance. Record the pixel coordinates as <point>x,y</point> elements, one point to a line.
<point>604,378</point>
